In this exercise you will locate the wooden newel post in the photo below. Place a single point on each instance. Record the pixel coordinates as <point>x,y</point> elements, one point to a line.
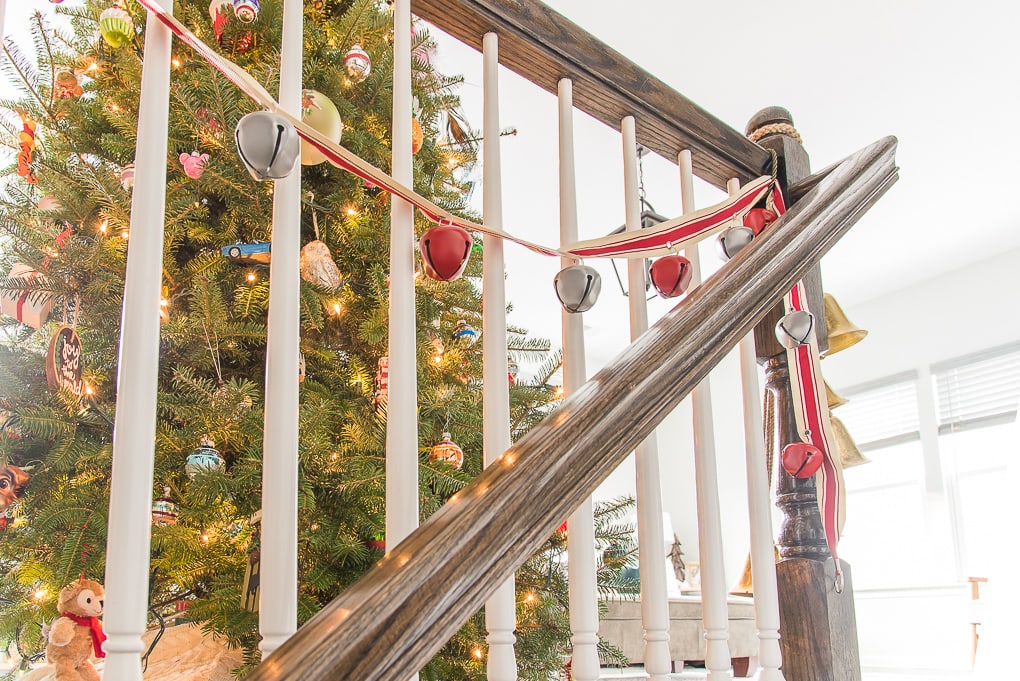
<point>817,625</point>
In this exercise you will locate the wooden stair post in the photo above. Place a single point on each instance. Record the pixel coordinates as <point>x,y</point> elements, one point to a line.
<point>818,627</point>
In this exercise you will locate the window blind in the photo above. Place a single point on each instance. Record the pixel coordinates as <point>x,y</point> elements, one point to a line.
<point>881,413</point>
<point>978,390</point>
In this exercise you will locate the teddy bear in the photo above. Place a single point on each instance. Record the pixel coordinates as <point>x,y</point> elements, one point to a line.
<point>77,634</point>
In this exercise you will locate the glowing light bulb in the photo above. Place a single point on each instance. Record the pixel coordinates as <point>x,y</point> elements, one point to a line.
<point>88,389</point>
<point>559,391</point>
<point>103,226</point>
<point>477,652</point>
<point>125,234</point>
<point>451,161</point>
<point>91,67</point>
<point>39,594</point>
<point>437,358</point>
<point>114,107</point>
<point>176,62</point>
<point>352,211</point>
<point>337,309</point>
<point>530,598</point>
<point>251,277</point>
<point>205,537</point>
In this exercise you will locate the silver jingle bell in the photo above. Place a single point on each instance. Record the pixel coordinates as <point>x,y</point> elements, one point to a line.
<point>734,240</point>
<point>578,287</point>
<point>268,145</point>
<point>795,329</point>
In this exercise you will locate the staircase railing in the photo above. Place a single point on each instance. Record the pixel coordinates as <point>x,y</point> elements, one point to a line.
<point>393,620</point>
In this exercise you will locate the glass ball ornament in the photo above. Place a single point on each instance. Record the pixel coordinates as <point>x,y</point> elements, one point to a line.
<point>578,287</point>
<point>447,451</point>
<point>116,27</point>
<point>127,176</point>
<point>268,145</point>
<point>465,334</point>
<point>164,511</point>
<point>246,11</point>
<point>417,136</point>
<point>319,112</point>
<point>795,329</point>
<point>205,459</point>
<point>358,64</point>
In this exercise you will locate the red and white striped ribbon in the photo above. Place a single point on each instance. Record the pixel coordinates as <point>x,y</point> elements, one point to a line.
<point>811,411</point>
<point>663,239</point>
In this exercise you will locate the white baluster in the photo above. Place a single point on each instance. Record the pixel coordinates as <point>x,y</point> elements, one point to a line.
<point>715,617</point>
<point>763,561</point>
<point>501,608</point>
<point>651,552</point>
<point>278,593</point>
<point>3,16</point>
<point>134,432</point>
<point>581,559</point>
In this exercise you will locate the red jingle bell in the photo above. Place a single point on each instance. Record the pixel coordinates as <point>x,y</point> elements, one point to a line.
<point>671,275</point>
<point>758,219</point>
<point>444,251</point>
<point>802,459</point>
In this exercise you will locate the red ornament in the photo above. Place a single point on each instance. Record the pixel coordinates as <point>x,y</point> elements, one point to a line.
<point>758,219</point>
<point>671,275</point>
<point>802,459</point>
<point>444,252</point>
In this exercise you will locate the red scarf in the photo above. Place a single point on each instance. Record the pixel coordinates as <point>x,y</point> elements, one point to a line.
<point>95,628</point>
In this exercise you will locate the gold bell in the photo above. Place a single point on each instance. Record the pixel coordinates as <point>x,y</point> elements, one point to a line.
<point>849,455</point>
<point>833,398</point>
<point>841,332</point>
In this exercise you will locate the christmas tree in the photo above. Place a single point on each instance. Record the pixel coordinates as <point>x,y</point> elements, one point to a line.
<point>65,224</point>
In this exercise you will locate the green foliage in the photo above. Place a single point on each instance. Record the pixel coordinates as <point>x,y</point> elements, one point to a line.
<point>213,340</point>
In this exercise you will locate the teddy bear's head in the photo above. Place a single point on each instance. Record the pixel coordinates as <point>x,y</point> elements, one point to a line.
<point>83,598</point>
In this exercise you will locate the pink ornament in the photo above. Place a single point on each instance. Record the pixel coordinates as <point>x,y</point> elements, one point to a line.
<point>194,164</point>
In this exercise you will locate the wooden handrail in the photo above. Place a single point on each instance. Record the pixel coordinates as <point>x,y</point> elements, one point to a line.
<point>392,621</point>
<point>543,46</point>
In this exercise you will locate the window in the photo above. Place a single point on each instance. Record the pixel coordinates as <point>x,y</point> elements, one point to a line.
<point>885,528</point>
<point>977,409</point>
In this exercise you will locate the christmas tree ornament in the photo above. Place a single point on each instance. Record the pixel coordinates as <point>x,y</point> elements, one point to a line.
<point>446,451</point>
<point>26,145</point>
<point>13,485</point>
<point>25,306</point>
<point>465,334</point>
<point>382,383</point>
<point>320,113</point>
<point>417,136</point>
<point>734,240</point>
<point>164,304</point>
<point>49,204</point>
<point>358,64</point>
<point>445,250</point>
<point>77,634</point>
<point>671,275</point>
<point>268,144</point>
<point>802,459</point>
<point>758,219</point>
<point>66,85</point>
<point>194,164</point>
<point>512,370</point>
<point>578,287</point>
<point>250,586</point>
<point>219,11</point>
<point>116,27</point>
<point>795,329</point>
<point>127,176</point>
<point>164,511</point>
<point>209,118</point>
<point>205,459</point>
<point>317,266</point>
<point>64,362</point>
<point>246,11</point>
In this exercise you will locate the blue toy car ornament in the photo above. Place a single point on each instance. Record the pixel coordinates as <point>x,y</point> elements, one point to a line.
<point>248,253</point>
